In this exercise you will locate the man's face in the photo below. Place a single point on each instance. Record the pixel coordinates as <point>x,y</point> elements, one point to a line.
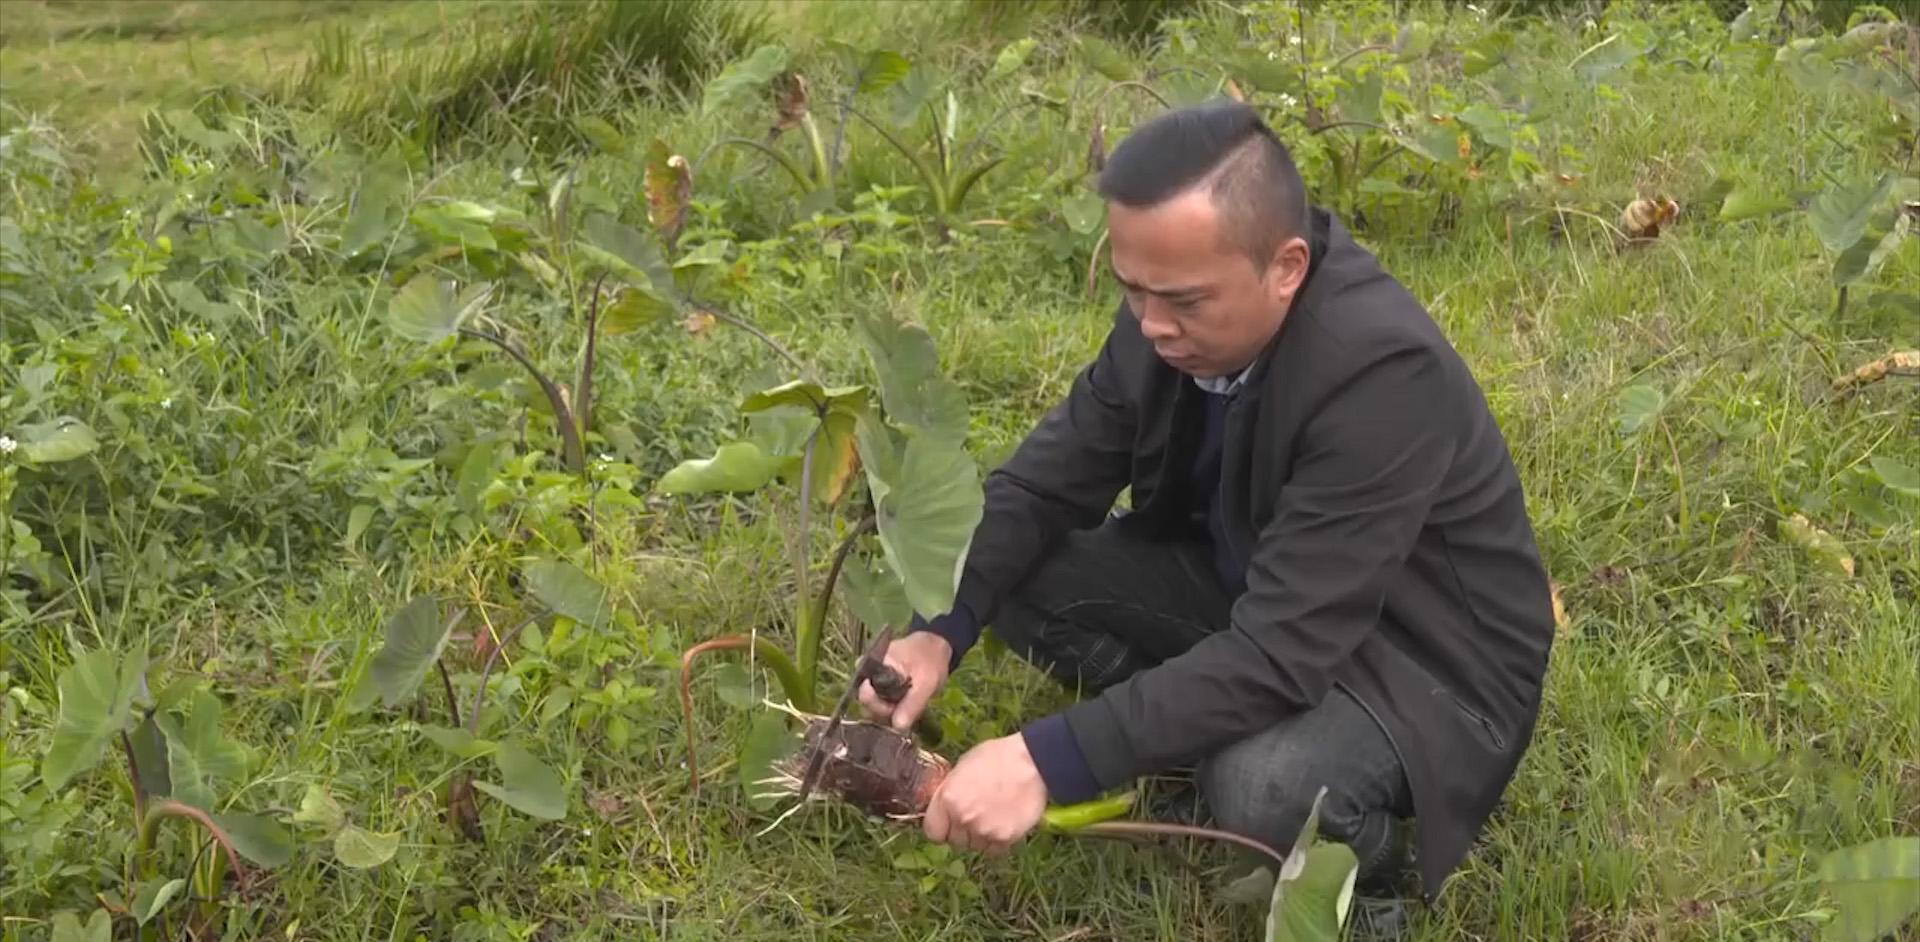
<point>1206,307</point>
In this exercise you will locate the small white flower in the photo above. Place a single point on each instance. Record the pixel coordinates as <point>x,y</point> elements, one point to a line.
<point>166,403</point>
<point>1293,40</point>
<point>586,832</point>
<point>1272,56</point>
<point>1288,100</point>
<point>7,445</point>
<point>606,459</point>
<point>126,309</point>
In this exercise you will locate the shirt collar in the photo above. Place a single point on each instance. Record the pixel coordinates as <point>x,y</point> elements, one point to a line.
<point>1221,385</point>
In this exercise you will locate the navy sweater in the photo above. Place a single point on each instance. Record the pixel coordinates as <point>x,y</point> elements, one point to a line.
<point>1055,753</point>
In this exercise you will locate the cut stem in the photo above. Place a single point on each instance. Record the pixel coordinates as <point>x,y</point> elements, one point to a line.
<point>775,658</point>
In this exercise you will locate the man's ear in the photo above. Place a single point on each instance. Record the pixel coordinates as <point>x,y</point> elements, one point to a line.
<point>1288,270</point>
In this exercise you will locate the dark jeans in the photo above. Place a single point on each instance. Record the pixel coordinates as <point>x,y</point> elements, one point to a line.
<point>1106,604</point>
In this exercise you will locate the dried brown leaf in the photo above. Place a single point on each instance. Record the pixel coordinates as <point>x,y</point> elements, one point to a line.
<point>791,101</point>
<point>1899,363</point>
<point>669,182</point>
<point>1644,218</point>
<point>699,323</point>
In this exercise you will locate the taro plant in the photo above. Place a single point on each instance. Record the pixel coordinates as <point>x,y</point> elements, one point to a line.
<point>416,639</point>
<point>920,501</point>
<point>180,766</point>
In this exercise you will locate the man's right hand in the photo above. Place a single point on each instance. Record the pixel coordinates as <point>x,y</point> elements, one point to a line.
<point>923,657</point>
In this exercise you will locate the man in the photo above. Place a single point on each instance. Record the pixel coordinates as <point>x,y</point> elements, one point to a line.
<point>1327,577</point>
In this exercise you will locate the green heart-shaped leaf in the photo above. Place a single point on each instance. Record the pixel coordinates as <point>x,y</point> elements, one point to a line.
<point>198,754</point>
<point>415,637</point>
<point>458,741</point>
<point>67,927</point>
<point>527,784</point>
<point>767,743</point>
<point>257,838</point>
<point>734,467</point>
<point>927,515</point>
<point>319,809</point>
<point>570,591</point>
<point>1875,888</point>
<point>917,397</point>
<point>811,397</point>
<point>96,703</point>
<point>430,310</point>
<point>154,896</point>
<point>62,439</point>
<point>875,595</point>
<point>1900,477</point>
<point>743,77</point>
<point>362,849</point>
<point>1312,906</point>
<point>1839,215</point>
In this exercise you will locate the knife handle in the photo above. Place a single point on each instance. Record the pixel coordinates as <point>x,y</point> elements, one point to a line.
<point>892,686</point>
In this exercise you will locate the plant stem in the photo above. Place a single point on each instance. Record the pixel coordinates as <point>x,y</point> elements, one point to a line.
<point>793,170</point>
<point>807,640</point>
<point>583,396</point>
<point>1136,829</point>
<point>823,170</point>
<point>150,826</point>
<point>772,344</point>
<point>775,659</point>
<point>133,772</point>
<point>493,657</point>
<point>453,702</point>
<point>576,455</point>
<point>866,525</point>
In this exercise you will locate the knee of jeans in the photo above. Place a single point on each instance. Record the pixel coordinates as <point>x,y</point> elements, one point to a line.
<point>1265,790</point>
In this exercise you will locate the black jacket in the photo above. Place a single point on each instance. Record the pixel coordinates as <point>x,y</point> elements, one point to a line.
<point>1388,546</point>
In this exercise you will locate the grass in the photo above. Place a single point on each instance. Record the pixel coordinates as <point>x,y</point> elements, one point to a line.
<point>1722,710</point>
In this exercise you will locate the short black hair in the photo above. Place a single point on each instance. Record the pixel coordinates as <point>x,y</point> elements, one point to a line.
<point>1224,144</point>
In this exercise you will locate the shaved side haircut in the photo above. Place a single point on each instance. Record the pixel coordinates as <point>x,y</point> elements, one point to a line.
<point>1227,148</point>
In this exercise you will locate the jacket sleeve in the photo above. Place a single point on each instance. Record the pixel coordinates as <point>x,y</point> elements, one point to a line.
<point>1065,475</point>
<point>1368,465</point>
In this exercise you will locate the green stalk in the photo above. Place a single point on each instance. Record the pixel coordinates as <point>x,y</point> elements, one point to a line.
<point>807,637</point>
<point>768,652</point>
<point>576,452</point>
<point>822,168</point>
<point>793,170</point>
<point>150,828</point>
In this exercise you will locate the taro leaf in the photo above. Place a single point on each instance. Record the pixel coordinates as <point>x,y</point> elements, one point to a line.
<point>1610,54</point>
<point>527,784</point>
<point>1310,896</point>
<point>461,223</point>
<point>927,516</point>
<point>636,307</point>
<point>1312,906</point>
<point>912,94</point>
<point>362,849</point>
<point>1839,215</point>
<point>669,182</point>
<point>1105,59</point>
<point>62,439</point>
<point>96,703</point>
<point>198,754</point>
<point>628,252</point>
<point>603,135</point>
<point>1361,102</point>
<point>800,394</point>
<point>736,686</point>
<point>570,591</point>
<point>372,218</point>
<point>834,457</point>
<point>916,395</point>
<point>1897,476</point>
<point>1865,257</point>
<point>429,310</point>
<point>67,927</point>
<point>881,449</point>
<point>458,741</point>
<point>1746,202</point>
<point>320,809</point>
<point>1639,404</point>
<point>258,838</point>
<point>1251,888</point>
<point>154,896</point>
<point>882,69</point>
<point>1011,58</point>
<point>767,743</point>
<point>1439,143</point>
<point>1875,888</point>
<point>415,636</point>
<point>1825,548</point>
<point>1414,42</point>
<point>734,467</point>
<point>875,594</point>
<point>150,755</point>
<point>1487,52</point>
<point>1083,211</point>
<point>743,77</point>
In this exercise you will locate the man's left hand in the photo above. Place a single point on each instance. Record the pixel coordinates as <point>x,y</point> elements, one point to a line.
<point>992,799</point>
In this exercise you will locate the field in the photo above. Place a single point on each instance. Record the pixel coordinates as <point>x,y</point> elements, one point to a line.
<point>310,514</point>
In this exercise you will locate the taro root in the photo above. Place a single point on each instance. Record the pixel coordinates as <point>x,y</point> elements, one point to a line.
<point>874,768</point>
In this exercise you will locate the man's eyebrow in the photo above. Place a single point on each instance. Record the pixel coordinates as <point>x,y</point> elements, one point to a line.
<point>1176,291</point>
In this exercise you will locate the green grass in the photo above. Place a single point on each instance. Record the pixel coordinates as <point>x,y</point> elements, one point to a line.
<point>1722,709</point>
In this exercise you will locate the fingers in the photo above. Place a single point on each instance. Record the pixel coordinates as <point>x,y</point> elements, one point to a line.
<point>878,710</point>
<point>936,825</point>
<point>911,705</point>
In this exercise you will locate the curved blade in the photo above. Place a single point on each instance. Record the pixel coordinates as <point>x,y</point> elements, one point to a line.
<point>875,655</point>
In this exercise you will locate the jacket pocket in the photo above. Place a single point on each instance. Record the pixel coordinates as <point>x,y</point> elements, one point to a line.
<point>1474,716</point>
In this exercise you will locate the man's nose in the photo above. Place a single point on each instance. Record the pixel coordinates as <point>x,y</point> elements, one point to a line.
<point>1155,322</point>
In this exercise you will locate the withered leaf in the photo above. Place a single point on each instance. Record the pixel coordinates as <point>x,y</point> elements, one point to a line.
<point>1899,363</point>
<point>669,180</point>
<point>699,323</point>
<point>1644,218</point>
<point>791,102</point>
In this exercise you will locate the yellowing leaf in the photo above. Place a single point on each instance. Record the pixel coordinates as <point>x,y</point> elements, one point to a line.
<point>1901,363</point>
<point>669,181</point>
<point>1824,547</point>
